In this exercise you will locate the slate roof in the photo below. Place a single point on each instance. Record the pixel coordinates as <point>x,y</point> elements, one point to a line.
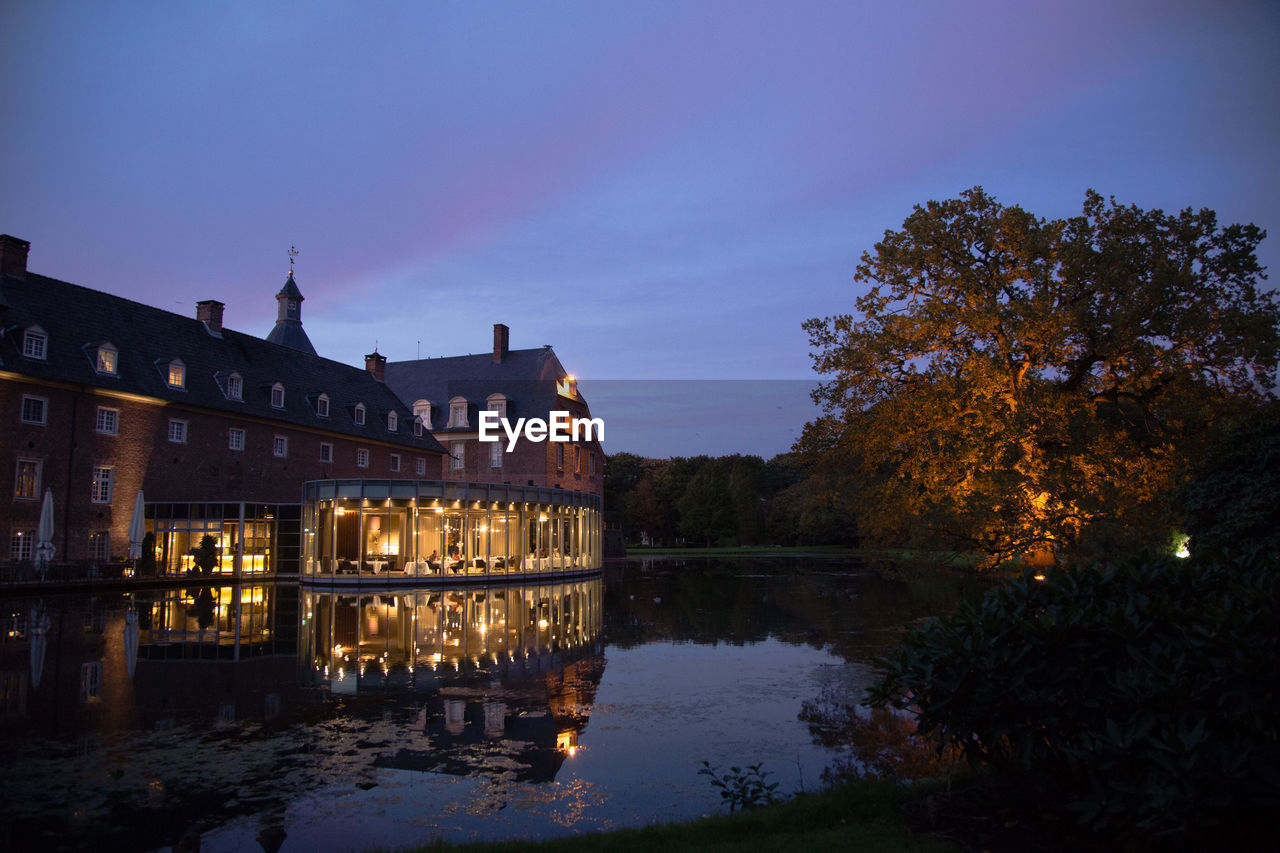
<point>526,377</point>
<point>77,319</point>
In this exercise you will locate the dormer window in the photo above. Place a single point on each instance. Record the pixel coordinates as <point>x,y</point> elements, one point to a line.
<point>322,405</point>
<point>498,403</point>
<point>235,387</point>
<point>277,396</point>
<point>422,411</point>
<point>417,427</point>
<point>458,412</point>
<point>106,360</point>
<point>359,414</point>
<point>177,374</point>
<point>393,422</point>
<point>35,343</point>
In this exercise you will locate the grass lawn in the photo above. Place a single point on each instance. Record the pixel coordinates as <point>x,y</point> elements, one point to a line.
<point>865,816</point>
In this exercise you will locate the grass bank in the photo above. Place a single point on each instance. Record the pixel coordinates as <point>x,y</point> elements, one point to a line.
<point>866,816</point>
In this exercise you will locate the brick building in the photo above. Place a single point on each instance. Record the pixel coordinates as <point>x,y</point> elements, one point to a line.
<point>101,396</point>
<point>449,394</point>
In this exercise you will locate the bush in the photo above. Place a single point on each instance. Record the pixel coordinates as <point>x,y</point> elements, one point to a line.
<point>1140,697</point>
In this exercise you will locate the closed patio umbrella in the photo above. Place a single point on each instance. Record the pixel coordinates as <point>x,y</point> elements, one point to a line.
<point>44,534</point>
<point>137,528</point>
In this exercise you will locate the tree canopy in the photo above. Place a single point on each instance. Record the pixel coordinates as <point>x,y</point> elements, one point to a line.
<point>1013,384</point>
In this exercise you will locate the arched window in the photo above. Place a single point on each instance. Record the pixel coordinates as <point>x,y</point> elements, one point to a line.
<point>322,405</point>
<point>359,414</point>
<point>277,396</point>
<point>393,421</point>
<point>235,387</point>
<point>177,374</point>
<point>458,412</point>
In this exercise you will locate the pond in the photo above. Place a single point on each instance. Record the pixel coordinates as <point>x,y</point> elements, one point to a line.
<point>278,718</point>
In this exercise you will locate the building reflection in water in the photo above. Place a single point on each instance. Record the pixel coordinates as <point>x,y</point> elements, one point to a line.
<point>503,675</point>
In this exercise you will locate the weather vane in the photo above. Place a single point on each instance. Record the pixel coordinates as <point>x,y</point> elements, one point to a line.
<point>293,253</point>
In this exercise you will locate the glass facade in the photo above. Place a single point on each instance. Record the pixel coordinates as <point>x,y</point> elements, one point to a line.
<point>247,535</point>
<point>396,529</point>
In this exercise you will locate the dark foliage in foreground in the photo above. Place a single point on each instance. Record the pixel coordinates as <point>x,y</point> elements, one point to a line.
<point>1140,698</point>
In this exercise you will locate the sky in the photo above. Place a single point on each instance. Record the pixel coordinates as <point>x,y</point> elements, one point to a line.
<point>663,191</point>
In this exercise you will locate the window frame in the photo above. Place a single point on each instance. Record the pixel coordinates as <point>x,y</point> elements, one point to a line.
<point>458,413</point>
<point>44,410</point>
<point>362,457</point>
<point>99,548</point>
<point>106,352</point>
<point>22,545</point>
<point>277,394</point>
<point>495,455</point>
<point>107,413</point>
<point>19,478</point>
<point>393,462</point>
<point>280,446</point>
<point>35,343</point>
<point>176,368</point>
<point>322,406</point>
<point>457,456</point>
<point>359,414</point>
<point>420,467</point>
<point>326,451</point>
<point>235,387</point>
<point>393,421</point>
<point>179,430</point>
<point>232,434</point>
<point>103,484</point>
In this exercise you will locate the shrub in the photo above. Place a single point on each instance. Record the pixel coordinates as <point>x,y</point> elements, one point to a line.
<point>1141,697</point>
<point>742,788</point>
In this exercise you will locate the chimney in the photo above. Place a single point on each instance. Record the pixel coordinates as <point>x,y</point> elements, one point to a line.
<point>209,312</point>
<point>13,256</point>
<point>500,337</point>
<point>376,364</point>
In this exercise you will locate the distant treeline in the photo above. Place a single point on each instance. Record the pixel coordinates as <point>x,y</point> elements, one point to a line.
<point>725,501</point>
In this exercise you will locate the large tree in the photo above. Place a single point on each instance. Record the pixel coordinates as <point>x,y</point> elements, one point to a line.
<point>1014,384</point>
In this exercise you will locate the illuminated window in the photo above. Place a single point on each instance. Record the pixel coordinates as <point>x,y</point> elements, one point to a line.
<point>322,405</point>
<point>395,461</point>
<point>277,396</point>
<point>177,431</point>
<point>495,454</point>
<point>101,488</point>
<point>98,545</point>
<point>107,360</point>
<point>280,446</point>
<point>457,455</point>
<point>326,451</point>
<point>34,409</point>
<point>457,412</point>
<point>362,458</point>
<point>177,375</point>
<point>26,485</point>
<point>421,467</point>
<point>235,387</point>
<point>235,439</point>
<point>359,414</point>
<point>393,422</point>
<point>35,343</point>
<point>108,421</point>
<point>22,545</point>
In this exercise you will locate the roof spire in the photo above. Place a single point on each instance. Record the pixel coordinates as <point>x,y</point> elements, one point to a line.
<point>288,330</point>
<point>293,253</point>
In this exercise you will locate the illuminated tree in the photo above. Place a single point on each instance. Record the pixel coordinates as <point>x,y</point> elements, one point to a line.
<point>1014,384</point>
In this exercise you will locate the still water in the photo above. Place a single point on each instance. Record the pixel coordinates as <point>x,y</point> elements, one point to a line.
<point>272,717</point>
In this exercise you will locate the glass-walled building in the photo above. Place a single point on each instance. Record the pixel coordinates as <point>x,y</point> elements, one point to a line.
<point>396,529</point>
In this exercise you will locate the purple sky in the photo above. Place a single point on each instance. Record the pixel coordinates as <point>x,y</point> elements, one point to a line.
<point>661,190</point>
